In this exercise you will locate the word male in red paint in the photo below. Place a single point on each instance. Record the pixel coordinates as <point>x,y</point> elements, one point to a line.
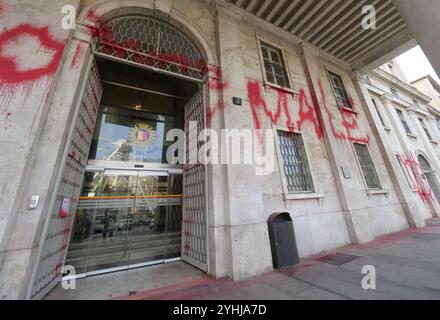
<point>306,113</point>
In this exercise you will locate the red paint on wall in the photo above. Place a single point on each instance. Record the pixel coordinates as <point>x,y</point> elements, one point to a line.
<point>76,56</point>
<point>415,174</point>
<point>337,135</point>
<point>307,114</point>
<point>215,85</point>
<point>257,102</point>
<point>92,16</point>
<point>16,82</point>
<point>11,72</point>
<point>349,121</point>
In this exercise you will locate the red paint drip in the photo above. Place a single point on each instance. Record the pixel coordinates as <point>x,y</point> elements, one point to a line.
<point>415,173</point>
<point>92,16</point>
<point>15,82</point>
<point>307,114</point>
<point>76,56</point>
<point>256,101</point>
<point>337,135</point>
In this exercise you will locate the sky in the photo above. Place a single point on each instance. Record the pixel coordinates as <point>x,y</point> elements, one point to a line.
<point>415,65</point>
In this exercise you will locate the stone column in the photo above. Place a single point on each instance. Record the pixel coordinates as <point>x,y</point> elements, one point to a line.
<point>248,250</point>
<point>410,208</point>
<point>339,153</point>
<point>422,19</point>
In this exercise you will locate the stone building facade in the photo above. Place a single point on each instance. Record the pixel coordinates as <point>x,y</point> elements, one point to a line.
<point>337,170</point>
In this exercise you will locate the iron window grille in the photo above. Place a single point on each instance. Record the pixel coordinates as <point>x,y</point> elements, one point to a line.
<point>274,65</point>
<point>403,120</point>
<point>295,164</point>
<point>367,166</point>
<point>342,97</point>
<point>425,129</point>
<point>151,43</point>
<point>378,112</point>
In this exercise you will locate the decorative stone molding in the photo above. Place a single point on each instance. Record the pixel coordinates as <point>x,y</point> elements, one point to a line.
<point>308,50</point>
<point>359,77</point>
<point>386,98</point>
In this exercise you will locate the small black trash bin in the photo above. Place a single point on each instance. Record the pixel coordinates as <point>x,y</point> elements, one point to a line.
<point>282,240</point>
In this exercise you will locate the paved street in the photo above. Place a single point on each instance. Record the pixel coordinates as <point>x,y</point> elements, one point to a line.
<point>407,266</point>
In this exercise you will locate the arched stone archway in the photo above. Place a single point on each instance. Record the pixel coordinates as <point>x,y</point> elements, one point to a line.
<point>429,175</point>
<point>94,15</point>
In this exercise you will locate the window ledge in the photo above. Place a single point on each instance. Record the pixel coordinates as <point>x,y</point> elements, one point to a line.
<point>378,192</point>
<point>348,110</point>
<point>303,196</point>
<point>278,87</point>
<point>434,142</point>
<point>412,135</point>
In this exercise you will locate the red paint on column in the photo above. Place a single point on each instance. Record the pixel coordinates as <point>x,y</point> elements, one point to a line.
<point>92,16</point>
<point>307,114</point>
<point>76,56</point>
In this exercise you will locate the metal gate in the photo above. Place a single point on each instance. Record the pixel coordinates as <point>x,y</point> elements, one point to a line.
<point>194,217</point>
<point>61,213</point>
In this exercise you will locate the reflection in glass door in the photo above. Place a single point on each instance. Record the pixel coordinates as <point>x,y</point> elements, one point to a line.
<point>126,219</point>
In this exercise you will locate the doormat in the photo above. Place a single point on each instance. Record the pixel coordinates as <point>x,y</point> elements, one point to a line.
<point>338,259</point>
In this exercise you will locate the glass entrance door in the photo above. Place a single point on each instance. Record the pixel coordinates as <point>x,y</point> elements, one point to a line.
<point>126,219</point>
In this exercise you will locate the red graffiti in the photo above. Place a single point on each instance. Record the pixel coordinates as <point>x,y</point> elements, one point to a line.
<point>349,121</point>
<point>307,114</point>
<point>11,72</point>
<point>76,56</point>
<point>414,172</point>
<point>256,101</point>
<point>14,77</point>
<point>92,16</point>
<point>215,84</point>
<point>337,135</point>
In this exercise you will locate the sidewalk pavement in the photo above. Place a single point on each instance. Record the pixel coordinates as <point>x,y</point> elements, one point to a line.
<point>407,266</point>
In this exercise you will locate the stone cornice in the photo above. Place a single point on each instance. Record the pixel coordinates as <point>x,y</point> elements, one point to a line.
<point>401,85</point>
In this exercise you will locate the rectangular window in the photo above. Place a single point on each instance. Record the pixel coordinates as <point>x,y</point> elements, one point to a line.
<point>342,96</point>
<point>378,112</point>
<point>295,164</point>
<point>425,129</point>
<point>403,120</point>
<point>369,171</point>
<point>274,65</point>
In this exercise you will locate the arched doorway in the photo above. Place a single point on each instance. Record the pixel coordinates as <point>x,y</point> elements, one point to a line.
<point>428,173</point>
<point>132,208</point>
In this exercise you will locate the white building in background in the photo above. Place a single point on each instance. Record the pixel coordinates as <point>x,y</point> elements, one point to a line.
<point>409,132</point>
<point>429,86</point>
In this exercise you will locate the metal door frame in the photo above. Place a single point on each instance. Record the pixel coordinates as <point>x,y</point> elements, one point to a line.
<point>30,294</point>
<point>154,169</point>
